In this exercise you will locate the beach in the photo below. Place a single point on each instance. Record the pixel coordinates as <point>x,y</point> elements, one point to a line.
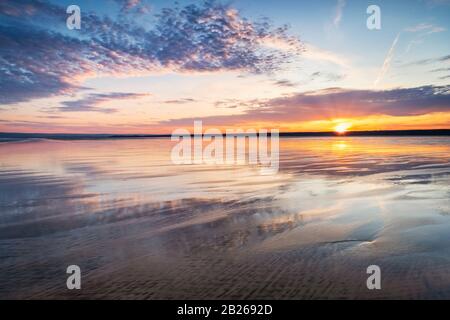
<point>141,227</point>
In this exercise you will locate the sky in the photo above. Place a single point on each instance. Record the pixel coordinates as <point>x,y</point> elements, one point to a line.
<point>145,66</point>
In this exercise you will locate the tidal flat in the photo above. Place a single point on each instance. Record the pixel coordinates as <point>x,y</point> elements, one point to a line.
<point>141,227</point>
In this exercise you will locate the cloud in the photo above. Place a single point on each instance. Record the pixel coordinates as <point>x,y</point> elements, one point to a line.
<point>424,30</point>
<point>440,70</point>
<point>285,83</point>
<point>335,103</point>
<point>339,11</point>
<point>40,58</point>
<point>317,54</point>
<point>91,102</point>
<point>235,103</point>
<point>327,76</point>
<point>36,64</point>
<point>136,6</point>
<point>27,8</point>
<point>434,3</point>
<point>180,101</point>
<point>429,61</point>
<point>429,28</point>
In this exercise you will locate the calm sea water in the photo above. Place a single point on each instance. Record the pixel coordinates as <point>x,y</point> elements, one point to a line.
<point>140,227</point>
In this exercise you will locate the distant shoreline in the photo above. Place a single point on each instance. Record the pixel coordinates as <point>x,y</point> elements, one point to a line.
<point>9,136</point>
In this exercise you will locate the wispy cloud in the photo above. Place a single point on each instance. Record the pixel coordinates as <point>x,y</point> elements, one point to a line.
<point>285,83</point>
<point>92,102</point>
<point>327,76</point>
<point>422,30</point>
<point>434,3</point>
<point>429,61</point>
<point>428,28</point>
<point>317,54</point>
<point>235,103</point>
<point>180,101</point>
<point>440,70</point>
<point>339,12</point>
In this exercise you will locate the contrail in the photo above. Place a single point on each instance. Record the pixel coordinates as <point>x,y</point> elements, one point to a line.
<point>387,61</point>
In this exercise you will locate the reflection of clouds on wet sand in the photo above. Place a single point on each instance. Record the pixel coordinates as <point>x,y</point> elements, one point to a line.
<point>140,227</point>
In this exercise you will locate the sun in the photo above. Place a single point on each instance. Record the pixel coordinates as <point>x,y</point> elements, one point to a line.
<point>342,127</point>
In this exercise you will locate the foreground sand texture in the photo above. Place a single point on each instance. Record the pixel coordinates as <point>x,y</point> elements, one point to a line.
<point>142,228</point>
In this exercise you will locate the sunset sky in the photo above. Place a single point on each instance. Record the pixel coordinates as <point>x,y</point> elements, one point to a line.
<point>146,66</point>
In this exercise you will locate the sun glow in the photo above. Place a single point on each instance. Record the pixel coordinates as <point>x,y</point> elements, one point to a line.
<point>342,128</point>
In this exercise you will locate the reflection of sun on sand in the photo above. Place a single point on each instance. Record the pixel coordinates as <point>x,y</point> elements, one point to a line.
<point>366,146</point>
<point>341,145</point>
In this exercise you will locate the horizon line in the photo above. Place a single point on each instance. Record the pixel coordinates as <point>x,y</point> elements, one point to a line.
<point>407,132</point>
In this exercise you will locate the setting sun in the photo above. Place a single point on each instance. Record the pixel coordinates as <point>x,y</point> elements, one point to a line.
<point>342,127</point>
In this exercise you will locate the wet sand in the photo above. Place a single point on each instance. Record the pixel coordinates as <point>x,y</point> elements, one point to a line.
<point>140,227</point>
